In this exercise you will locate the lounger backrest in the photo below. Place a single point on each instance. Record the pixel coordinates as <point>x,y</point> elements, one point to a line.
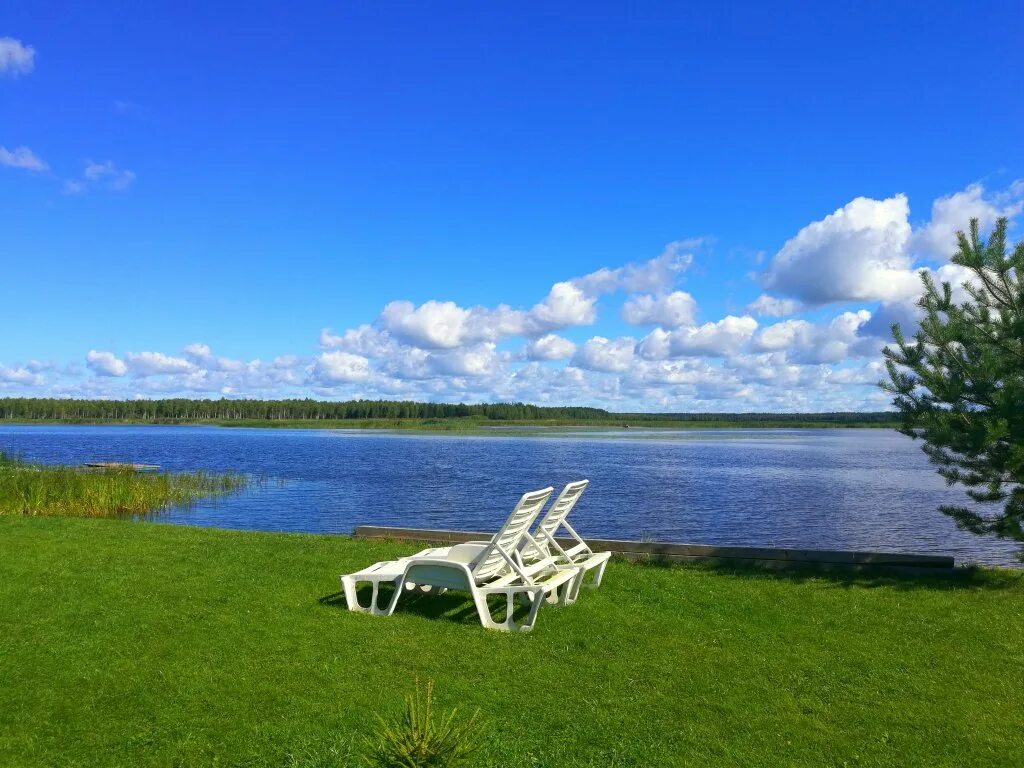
<point>558,511</point>
<point>493,563</point>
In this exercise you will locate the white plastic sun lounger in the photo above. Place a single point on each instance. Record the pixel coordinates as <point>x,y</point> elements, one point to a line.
<point>543,546</point>
<point>490,569</point>
<point>579,554</point>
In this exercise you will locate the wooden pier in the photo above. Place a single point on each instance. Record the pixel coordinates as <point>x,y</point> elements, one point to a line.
<point>121,465</point>
<point>764,557</point>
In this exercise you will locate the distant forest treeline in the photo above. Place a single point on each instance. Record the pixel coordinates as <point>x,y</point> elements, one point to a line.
<point>182,410</point>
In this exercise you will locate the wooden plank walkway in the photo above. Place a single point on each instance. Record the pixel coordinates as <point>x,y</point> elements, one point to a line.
<point>769,557</point>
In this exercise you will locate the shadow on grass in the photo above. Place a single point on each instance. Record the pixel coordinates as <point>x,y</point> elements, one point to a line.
<point>968,578</point>
<point>452,606</point>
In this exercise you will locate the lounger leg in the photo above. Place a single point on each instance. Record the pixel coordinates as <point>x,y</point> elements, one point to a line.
<point>564,594</point>
<point>573,588</point>
<point>349,584</point>
<point>598,570</point>
<point>536,597</point>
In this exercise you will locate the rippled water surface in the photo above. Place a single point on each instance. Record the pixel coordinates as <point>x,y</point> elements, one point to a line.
<point>838,489</point>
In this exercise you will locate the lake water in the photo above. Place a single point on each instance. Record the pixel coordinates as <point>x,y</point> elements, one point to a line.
<point>836,489</point>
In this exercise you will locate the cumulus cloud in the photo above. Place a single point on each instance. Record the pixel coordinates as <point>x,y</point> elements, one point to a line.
<point>16,58</point>
<point>340,368</point>
<point>568,303</point>
<point>807,342</point>
<point>442,351</point>
<point>202,356</point>
<point>858,253</point>
<point>867,250</point>
<point>22,157</point>
<point>19,374</point>
<point>103,175</point>
<point>601,354</point>
<point>105,363</point>
<point>716,339</point>
<point>670,310</point>
<point>550,347</point>
<point>435,324</point>
<point>771,306</point>
<point>109,173</point>
<point>156,364</point>
<point>906,312</point>
<point>478,360</point>
<point>198,351</point>
<point>364,340</point>
<point>952,213</point>
<point>654,276</point>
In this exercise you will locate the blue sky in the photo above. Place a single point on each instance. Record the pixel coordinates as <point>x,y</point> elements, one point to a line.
<point>188,198</point>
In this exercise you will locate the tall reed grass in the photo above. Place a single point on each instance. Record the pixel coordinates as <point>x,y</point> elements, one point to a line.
<point>61,491</point>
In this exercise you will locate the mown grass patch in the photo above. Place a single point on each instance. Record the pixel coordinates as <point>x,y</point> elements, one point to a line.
<point>154,645</point>
<point>59,491</point>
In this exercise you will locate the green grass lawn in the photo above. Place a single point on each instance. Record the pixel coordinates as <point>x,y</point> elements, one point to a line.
<point>150,645</point>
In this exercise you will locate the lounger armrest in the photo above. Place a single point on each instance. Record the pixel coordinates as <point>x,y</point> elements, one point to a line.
<point>438,572</point>
<point>468,551</point>
<point>443,561</point>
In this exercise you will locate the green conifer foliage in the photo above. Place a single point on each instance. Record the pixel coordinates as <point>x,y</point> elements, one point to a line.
<point>959,384</point>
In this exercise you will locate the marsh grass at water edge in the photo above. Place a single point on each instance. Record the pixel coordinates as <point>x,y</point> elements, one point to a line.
<point>64,491</point>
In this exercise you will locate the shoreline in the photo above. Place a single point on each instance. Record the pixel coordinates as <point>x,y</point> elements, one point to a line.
<point>459,426</point>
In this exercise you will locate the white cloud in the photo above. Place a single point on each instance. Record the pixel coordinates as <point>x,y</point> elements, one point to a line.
<point>156,363</point>
<point>807,342</point>
<point>866,250</point>
<point>110,173</point>
<point>953,213</point>
<point>203,356</point>
<point>771,306</point>
<point>654,276</point>
<point>364,340</point>
<point>340,367</point>
<point>446,325</point>
<point>16,58</point>
<point>867,374</point>
<point>432,325</point>
<point>103,175</point>
<point>906,312</point>
<point>105,363</point>
<point>550,347</point>
<point>19,375</point>
<point>441,351</point>
<point>857,253</point>
<point>22,157</point>
<point>566,305</point>
<point>198,351</point>
<point>601,354</point>
<point>724,337</point>
<point>439,325</point>
<point>404,362</point>
<point>670,310</point>
<point>478,360</point>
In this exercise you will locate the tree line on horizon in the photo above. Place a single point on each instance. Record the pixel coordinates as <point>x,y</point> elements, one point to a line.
<point>181,409</point>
